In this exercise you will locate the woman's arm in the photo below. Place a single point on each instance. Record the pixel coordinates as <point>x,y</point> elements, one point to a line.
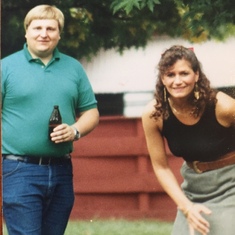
<point>165,176</point>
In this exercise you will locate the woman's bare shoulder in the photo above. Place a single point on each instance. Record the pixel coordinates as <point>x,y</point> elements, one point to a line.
<point>225,109</point>
<point>147,117</point>
<point>150,107</point>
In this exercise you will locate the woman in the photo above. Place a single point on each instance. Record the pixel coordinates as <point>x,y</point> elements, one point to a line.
<point>198,123</point>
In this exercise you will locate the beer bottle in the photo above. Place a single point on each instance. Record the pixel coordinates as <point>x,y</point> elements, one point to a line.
<point>55,119</point>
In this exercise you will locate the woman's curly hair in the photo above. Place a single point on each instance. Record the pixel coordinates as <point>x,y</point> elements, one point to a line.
<point>207,95</point>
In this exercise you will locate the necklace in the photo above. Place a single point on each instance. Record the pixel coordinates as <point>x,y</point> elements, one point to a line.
<point>190,113</point>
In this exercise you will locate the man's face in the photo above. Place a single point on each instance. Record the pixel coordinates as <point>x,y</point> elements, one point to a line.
<point>42,37</point>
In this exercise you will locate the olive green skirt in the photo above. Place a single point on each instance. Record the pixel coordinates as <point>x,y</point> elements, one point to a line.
<point>216,190</point>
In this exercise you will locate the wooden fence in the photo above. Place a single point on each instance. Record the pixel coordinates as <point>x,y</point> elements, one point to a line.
<point>113,176</point>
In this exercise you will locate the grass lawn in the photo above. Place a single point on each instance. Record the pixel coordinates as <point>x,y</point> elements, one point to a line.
<point>116,227</point>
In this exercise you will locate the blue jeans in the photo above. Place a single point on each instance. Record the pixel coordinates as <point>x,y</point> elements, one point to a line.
<point>37,199</point>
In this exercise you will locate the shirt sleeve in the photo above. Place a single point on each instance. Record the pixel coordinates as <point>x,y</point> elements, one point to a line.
<point>86,99</point>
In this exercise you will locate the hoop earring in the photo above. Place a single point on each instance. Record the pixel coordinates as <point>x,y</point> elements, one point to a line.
<point>196,92</point>
<point>164,94</point>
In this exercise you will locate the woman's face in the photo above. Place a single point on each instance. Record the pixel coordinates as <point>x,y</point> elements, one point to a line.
<point>180,79</point>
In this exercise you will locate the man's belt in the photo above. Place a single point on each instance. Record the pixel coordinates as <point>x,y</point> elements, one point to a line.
<point>38,160</point>
<point>225,160</point>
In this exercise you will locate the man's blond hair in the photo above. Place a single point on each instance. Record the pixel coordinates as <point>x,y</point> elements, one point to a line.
<point>44,12</point>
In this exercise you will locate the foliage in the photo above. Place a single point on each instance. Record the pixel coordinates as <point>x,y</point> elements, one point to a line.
<point>94,24</point>
<point>128,5</point>
<point>207,19</point>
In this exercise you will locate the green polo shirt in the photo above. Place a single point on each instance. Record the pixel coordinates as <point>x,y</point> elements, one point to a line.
<point>30,90</point>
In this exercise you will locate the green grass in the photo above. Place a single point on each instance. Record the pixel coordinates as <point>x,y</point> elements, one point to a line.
<point>116,227</point>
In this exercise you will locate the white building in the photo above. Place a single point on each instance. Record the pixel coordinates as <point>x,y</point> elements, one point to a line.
<point>134,72</point>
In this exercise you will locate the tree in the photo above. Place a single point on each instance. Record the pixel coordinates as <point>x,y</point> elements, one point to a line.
<point>94,24</point>
<point>199,20</point>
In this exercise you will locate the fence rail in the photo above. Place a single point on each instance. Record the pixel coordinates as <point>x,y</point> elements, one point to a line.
<point>113,176</point>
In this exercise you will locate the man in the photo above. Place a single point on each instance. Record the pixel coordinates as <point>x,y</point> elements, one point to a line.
<point>37,171</point>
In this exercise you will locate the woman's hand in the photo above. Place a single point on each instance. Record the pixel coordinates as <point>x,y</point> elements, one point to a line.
<point>196,220</point>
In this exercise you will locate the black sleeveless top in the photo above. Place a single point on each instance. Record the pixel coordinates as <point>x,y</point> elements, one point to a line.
<point>204,141</point>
